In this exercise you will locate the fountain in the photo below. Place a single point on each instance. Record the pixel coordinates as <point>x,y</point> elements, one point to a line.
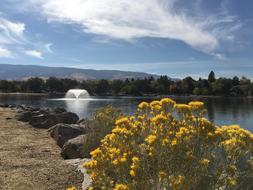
<point>77,93</point>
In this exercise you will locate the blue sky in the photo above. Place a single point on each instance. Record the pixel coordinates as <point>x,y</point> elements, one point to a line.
<point>173,37</point>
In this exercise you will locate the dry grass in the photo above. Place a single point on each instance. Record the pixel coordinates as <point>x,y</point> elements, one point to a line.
<point>30,159</point>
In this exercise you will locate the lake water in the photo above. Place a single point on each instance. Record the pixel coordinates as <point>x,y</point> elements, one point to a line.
<point>219,110</point>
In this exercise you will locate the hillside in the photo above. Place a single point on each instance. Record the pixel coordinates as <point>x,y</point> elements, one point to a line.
<point>19,72</point>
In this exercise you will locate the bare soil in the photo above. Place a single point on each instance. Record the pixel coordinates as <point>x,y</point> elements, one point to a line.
<point>30,158</point>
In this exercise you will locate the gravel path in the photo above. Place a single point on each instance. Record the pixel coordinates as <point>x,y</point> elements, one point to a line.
<point>30,158</point>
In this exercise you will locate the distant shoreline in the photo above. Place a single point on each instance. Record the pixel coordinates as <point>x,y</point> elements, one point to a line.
<point>24,93</point>
<point>145,95</point>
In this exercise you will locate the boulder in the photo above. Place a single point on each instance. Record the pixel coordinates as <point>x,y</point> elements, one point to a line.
<point>67,117</point>
<point>45,118</point>
<point>79,147</point>
<point>63,132</point>
<point>59,110</point>
<point>43,121</point>
<point>24,116</point>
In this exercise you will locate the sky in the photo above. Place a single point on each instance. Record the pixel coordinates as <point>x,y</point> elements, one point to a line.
<point>177,38</point>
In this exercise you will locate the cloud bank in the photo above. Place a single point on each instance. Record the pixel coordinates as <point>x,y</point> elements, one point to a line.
<point>127,20</point>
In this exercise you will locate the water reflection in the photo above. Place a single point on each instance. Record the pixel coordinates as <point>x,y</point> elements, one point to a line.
<point>78,106</point>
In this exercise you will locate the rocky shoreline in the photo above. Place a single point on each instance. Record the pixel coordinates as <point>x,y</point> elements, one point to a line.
<point>68,131</point>
<point>65,127</point>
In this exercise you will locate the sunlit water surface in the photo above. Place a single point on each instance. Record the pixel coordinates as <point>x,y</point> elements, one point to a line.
<point>219,110</point>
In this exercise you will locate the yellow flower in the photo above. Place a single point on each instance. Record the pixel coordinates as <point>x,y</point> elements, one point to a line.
<point>159,118</point>
<point>204,162</point>
<point>143,106</point>
<point>165,142</point>
<point>95,153</point>
<point>124,158</point>
<point>132,173</point>
<point>155,103</point>
<point>182,107</point>
<point>162,175</point>
<point>114,151</point>
<point>182,131</point>
<point>174,142</point>
<point>136,163</point>
<point>231,182</point>
<point>90,164</point>
<point>150,139</point>
<point>93,176</point>
<point>167,102</point>
<point>71,188</point>
<point>121,187</point>
<point>122,121</point>
<point>135,159</point>
<point>115,162</point>
<point>196,105</point>
<point>120,130</point>
<point>156,108</point>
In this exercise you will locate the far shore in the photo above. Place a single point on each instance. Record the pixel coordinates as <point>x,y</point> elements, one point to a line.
<point>111,95</point>
<point>23,93</point>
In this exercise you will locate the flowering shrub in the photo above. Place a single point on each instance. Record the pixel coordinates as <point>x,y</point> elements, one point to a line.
<point>101,124</point>
<point>172,146</point>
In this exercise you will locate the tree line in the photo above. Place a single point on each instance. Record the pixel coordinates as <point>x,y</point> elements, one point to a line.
<point>137,87</point>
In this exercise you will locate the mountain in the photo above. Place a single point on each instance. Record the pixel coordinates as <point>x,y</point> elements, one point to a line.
<point>20,72</point>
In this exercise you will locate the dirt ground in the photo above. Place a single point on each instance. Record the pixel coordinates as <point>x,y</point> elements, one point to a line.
<point>30,158</point>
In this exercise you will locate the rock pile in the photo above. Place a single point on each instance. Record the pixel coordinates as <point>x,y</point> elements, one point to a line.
<point>65,127</point>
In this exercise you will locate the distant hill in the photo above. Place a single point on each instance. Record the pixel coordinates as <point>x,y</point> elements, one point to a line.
<point>20,72</point>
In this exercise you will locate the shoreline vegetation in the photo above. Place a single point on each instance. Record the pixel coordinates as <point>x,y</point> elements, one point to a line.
<point>111,95</point>
<point>166,145</point>
<point>163,86</point>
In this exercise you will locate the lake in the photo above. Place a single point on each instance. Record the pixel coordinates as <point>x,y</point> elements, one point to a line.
<point>219,110</point>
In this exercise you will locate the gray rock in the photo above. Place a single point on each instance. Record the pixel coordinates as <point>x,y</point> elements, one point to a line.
<point>24,116</point>
<point>59,110</point>
<point>44,121</point>
<point>79,147</point>
<point>63,132</point>
<point>67,117</point>
<point>45,118</point>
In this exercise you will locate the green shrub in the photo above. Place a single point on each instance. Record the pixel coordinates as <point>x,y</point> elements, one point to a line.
<point>101,124</point>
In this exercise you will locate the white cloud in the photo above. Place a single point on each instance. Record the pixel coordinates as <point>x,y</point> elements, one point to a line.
<point>48,47</point>
<point>125,19</point>
<point>5,53</point>
<point>11,35</point>
<point>220,56</point>
<point>11,32</point>
<point>34,53</point>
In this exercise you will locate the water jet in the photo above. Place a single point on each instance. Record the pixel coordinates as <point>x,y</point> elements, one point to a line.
<point>77,93</point>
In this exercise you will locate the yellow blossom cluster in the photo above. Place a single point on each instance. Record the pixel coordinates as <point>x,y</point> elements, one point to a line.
<point>166,145</point>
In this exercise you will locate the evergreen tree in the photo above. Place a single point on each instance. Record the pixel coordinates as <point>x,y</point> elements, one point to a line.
<point>211,77</point>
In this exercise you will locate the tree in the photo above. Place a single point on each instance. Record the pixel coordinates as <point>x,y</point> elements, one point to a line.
<point>211,77</point>
<point>55,85</point>
<point>34,85</point>
<point>188,85</point>
<point>235,81</point>
<point>102,87</point>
